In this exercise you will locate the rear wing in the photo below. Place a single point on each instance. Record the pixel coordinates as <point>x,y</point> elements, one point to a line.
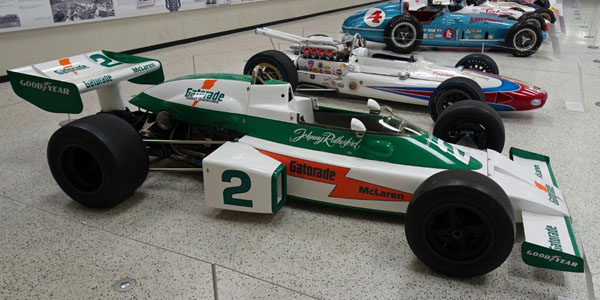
<point>57,85</point>
<point>549,240</point>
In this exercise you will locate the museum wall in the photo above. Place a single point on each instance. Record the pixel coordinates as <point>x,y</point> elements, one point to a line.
<point>21,48</point>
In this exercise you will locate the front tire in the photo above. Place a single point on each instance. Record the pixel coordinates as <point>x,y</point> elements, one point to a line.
<point>452,91</point>
<point>99,160</point>
<point>276,65</point>
<point>542,3</point>
<point>403,34</point>
<point>523,39</point>
<point>479,62</point>
<point>473,120</point>
<point>460,223</point>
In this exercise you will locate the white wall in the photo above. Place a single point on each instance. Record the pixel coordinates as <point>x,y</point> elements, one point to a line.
<point>32,46</point>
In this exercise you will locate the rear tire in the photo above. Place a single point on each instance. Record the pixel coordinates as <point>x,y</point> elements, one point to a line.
<point>276,64</point>
<point>474,120</point>
<point>479,62</point>
<point>403,34</point>
<point>542,3</point>
<point>452,91</point>
<point>460,223</point>
<point>535,19</point>
<point>546,13</point>
<point>523,39</point>
<point>99,160</point>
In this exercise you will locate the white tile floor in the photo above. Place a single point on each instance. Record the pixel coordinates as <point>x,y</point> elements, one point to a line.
<point>167,239</point>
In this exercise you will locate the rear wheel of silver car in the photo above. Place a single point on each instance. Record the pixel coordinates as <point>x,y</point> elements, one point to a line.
<point>403,34</point>
<point>547,14</point>
<point>479,62</point>
<point>534,18</point>
<point>99,160</point>
<point>524,39</point>
<point>473,124</point>
<point>274,65</point>
<point>542,3</point>
<point>452,91</point>
<point>460,223</point>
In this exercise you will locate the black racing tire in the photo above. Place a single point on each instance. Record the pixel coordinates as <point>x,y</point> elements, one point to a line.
<point>473,119</point>
<point>479,62</point>
<point>547,14</point>
<point>535,19</point>
<point>460,223</point>
<point>542,3</point>
<point>279,65</point>
<point>403,34</point>
<point>99,160</point>
<point>451,91</point>
<point>520,39</point>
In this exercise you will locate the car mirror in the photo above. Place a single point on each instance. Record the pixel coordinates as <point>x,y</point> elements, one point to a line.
<point>358,127</point>
<point>374,107</point>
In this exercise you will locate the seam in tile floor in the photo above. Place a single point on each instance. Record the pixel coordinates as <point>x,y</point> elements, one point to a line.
<point>213,265</point>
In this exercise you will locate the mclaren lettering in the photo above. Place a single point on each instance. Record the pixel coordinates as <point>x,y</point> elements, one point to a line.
<point>376,192</point>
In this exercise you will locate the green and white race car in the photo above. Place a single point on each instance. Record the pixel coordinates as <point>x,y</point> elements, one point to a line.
<point>259,145</point>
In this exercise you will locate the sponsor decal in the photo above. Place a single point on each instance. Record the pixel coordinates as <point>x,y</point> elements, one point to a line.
<point>343,66</point>
<point>485,20</point>
<point>340,84</point>
<point>44,87</point>
<point>538,171</point>
<point>143,68</point>
<point>438,30</point>
<point>477,36</point>
<point>311,63</point>
<point>436,73</point>
<point>344,187</point>
<point>552,197</point>
<point>431,35</point>
<point>353,85</point>
<point>328,68</point>
<point>320,65</point>
<point>431,30</point>
<point>328,139</point>
<point>350,68</point>
<point>303,68</point>
<point>438,35</point>
<point>448,33</point>
<point>315,70</point>
<point>467,30</point>
<point>68,67</point>
<point>552,258</point>
<point>204,93</point>
<point>68,70</point>
<point>447,148</point>
<point>339,72</point>
<point>312,76</point>
<point>425,35</point>
<point>97,81</point>
<point>374,17</point>
<point>554,238</point>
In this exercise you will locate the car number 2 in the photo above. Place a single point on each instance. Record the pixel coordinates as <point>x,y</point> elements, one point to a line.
<point>104,61</point>
<point>244,187</point>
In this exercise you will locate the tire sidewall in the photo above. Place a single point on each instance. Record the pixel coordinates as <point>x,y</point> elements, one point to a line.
<point>515,30</point>
<point>433,102</point>
<point>397,21</point>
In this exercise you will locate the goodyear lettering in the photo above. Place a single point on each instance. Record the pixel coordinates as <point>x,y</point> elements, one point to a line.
<point>204,95</point>
<point>70,70</point>
<point>97,81</point>
<point>44,87</point>
<point>538,171</point>
<point>489,20</point>
<point>143,68</point>
<point>308,170</point>
<point>552,258</point>
<point>553,238</point>
<point>376,192</point>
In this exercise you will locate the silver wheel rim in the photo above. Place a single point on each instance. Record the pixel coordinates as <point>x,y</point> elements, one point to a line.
<point>525,39</point>
<point>402,32</point>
